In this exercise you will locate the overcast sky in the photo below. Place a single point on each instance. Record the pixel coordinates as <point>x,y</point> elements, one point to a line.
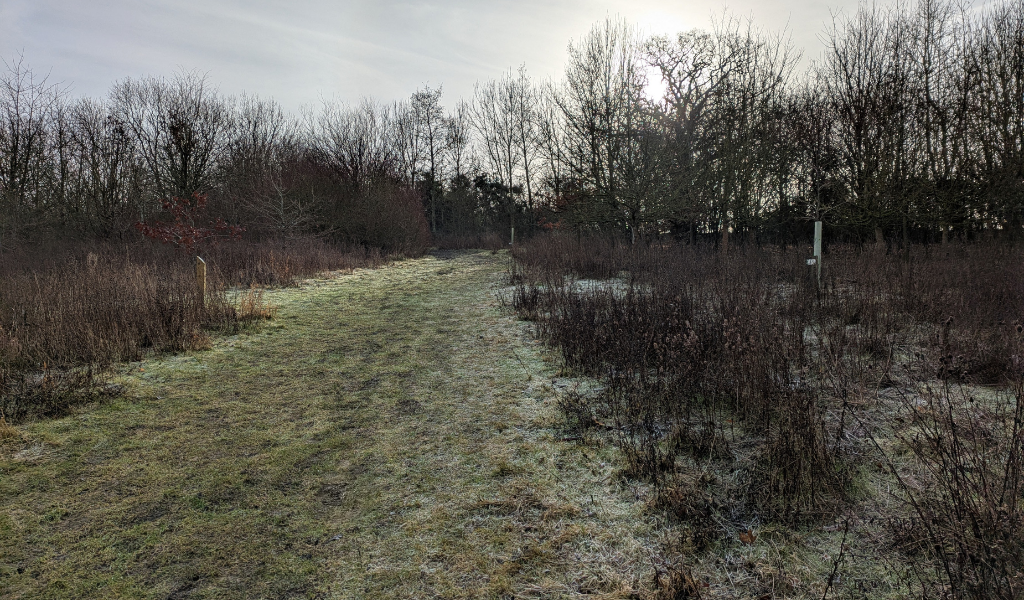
<point>297,52</point>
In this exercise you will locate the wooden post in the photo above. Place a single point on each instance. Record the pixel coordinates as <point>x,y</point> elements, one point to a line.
<point>513,242</point>
<point>817,249</point>
<point>201,279</point>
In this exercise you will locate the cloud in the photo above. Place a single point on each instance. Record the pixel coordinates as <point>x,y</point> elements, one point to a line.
<point>298,52</point>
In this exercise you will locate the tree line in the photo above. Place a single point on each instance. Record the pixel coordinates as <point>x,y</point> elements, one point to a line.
<point>909,127</point>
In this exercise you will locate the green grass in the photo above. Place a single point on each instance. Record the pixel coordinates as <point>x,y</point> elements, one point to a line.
<point>391,433</point>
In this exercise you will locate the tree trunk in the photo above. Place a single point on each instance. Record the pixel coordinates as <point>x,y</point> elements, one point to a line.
<point>906,239</point>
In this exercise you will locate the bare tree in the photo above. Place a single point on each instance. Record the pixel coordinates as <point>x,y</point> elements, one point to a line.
<point>355,143</point>
<point>496,119</point>
<point>457,139</point>
<point>406,140</point>
<point>550,141</point>
<point>863,83</point>
<point>998,60</point>
<point>524,98</point>
<point>810,126</point>
<point>28,106</point>
<point>107,175</point>
<point>939,108</point>
<point>430,125</point>
<point>180,129</point>
<point>605,125</point>
<point>750,160</point>
<point>263,170</point>
<point>693,67</point>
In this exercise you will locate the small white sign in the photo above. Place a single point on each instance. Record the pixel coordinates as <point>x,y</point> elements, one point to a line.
<point>811,262</point>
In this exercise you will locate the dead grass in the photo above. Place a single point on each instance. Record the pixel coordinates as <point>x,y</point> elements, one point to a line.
<point>69,312</point>
<point>7,432</point>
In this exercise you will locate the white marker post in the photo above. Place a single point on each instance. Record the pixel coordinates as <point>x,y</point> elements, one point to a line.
<point>817,249</point>
<point>201,280</point>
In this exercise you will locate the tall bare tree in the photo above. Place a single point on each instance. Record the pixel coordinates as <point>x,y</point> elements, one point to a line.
<point>457,139</point>
<point>180,127</point>
<point>998,59</point>
<point>430,128</point>
<point>28,106</point>
<point>108,176</point>
<point>607,126</point>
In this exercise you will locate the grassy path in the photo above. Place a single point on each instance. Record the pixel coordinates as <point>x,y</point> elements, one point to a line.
<point>389,435</point>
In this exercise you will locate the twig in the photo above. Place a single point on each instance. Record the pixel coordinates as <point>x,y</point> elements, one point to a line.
<point>839,559</point>
<point>522,364</point>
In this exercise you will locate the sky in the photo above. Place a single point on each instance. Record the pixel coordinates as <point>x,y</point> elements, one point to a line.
<point>299,52</point>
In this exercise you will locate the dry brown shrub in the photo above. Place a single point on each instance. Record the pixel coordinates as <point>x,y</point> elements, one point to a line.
<point>69,311</point>
<point>742,362</point>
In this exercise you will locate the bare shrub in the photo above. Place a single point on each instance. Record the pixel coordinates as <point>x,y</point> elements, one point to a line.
<point>740,363</point>
<point>965,491</point>
<point>693,504</point>
<point>796,467</point>
<point>283,262</point>
<point>68,312</point>
<point>687,341</point>
<point>586,257</point>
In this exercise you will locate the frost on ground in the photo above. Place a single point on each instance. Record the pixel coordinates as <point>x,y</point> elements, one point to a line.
<point>391,433</point>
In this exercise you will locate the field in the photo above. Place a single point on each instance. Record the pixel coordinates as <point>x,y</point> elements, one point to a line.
<point>389,433</point>
<point>554,338</point>
<point>578,418</point>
